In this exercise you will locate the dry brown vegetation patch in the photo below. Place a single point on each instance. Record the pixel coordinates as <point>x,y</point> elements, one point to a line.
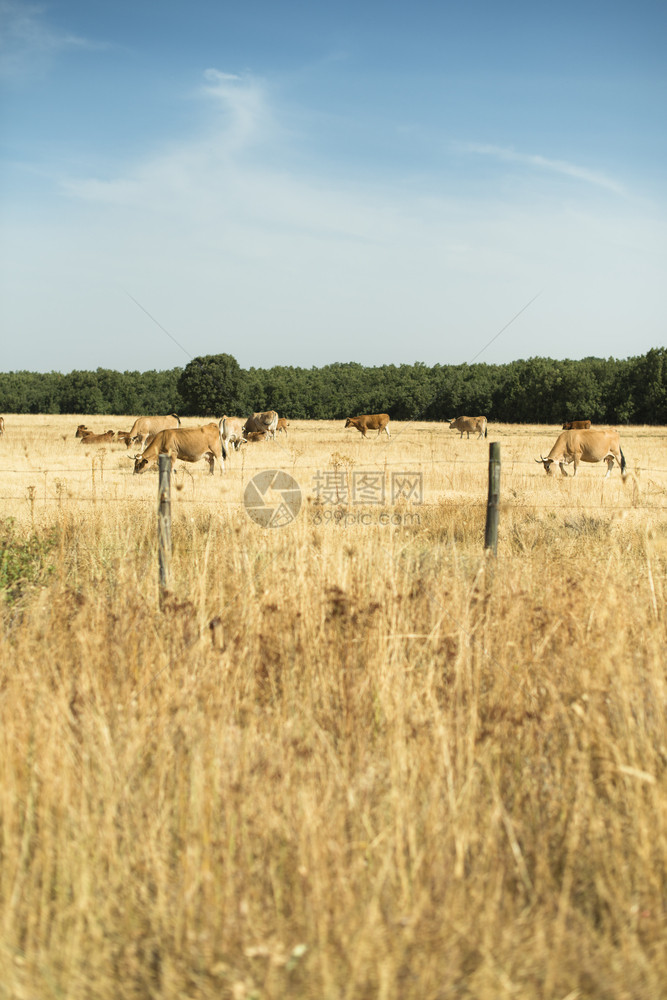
<point>336,760</point>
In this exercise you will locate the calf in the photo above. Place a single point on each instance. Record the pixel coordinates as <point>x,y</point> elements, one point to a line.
<point>577,425</point>
<point>106,438</point>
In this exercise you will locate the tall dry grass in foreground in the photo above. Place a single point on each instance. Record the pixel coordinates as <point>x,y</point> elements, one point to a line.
<point>406,772</point>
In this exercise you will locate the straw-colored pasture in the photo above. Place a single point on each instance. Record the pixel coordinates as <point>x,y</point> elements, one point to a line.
<point>346,758</point>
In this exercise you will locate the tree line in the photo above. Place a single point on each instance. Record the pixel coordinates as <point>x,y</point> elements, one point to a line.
<point>536,390</point>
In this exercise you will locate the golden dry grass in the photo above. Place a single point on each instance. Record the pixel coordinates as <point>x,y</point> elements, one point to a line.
<point>394,769</point>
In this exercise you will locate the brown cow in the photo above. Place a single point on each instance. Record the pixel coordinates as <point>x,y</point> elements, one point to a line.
<point>257,436</point>
<point>370,422</point>
<point>598,445</point>
<point>282,425</point>
<point>143,426</point>
<point>577,425</point>
<point>106,438</point>
<point>187,444</point>
<point>467,424</point>
<point>81,431</point>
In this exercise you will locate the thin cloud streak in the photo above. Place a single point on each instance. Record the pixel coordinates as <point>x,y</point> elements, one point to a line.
<point>28,43</point>
<point>544,163</point>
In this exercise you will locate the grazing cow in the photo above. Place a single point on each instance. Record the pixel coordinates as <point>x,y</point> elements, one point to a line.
<point>231,431</point>
<point>598,445</point>
<point>105,438</point>
<point>2,426</point>
<point>187,444</point>
<point>257,436</point>
<point>577,425</point>
<point>282,425</point>
<point>264,421</point>
<point>81,431</point>
<point>143,426</point>
<point>467,424</point>
<point>370,422</point>
<point>124,437</point>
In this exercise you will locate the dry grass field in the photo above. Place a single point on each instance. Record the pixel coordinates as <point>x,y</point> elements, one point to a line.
<point>350,758</point>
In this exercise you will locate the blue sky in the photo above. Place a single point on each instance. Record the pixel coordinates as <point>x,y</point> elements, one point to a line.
<point>300,183</point>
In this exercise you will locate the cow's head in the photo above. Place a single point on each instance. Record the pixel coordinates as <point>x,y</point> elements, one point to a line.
<point>140,464</point>
<point>547,463</point>
<point>349,422</point>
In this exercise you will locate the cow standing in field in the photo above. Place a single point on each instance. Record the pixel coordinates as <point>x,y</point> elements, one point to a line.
<point>598,445</point>
<point>468,424</point>
<point>577,425</point>
<point>282,425</point>
<point>188,444</point>
<point>370,422</point>
<point>143,426</point>
<point>231,432</point>
<point>266,421</point>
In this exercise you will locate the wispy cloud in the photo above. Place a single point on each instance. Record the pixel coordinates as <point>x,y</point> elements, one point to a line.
<point>212,167</point>
<point>28,43</point>
<point>242,101</point>
<point>544,163</point>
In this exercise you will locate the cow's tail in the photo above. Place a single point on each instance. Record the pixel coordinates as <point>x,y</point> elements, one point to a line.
<point>222,433</point>
<point>486,429</point>
<point>176,418</point>
<point>623,463</point>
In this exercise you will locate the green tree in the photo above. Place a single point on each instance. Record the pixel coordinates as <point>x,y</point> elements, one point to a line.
<point>81,394</point>
<point>211,385</point>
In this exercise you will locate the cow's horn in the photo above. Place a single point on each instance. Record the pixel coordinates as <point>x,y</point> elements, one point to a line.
<point>540,460</point>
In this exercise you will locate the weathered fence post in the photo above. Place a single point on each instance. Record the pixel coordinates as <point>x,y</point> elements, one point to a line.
<point>492,504</point>
<point>164,520</point>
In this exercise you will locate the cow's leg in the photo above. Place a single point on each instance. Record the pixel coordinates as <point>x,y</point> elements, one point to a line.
<point>387,430</point>
<point>610,465</point>
<point>562,468</point>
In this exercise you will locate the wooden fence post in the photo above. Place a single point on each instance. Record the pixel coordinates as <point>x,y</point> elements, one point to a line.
<point>492,504</point>
<point>164,520</point>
